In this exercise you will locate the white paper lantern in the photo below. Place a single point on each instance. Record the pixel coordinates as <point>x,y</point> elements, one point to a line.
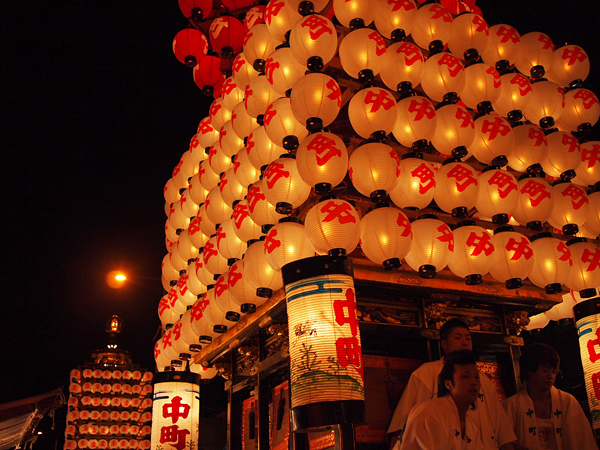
<point>284,188</point>
<point>432,246</point>
<point>316,100</point>
<point>456,188</point>
<point>281,125</point>
<point>416,184</point>
<point>535,202</point>
<point>512,257</point>
<point>286,242</point>
<point>391,15</point>
<point>531,147</point>
<point>333,227</point>
<point>585,273</point>
<point>502,44</point>
<point>283,70</point>
<point>374,169</point>
<point>403,62</point>
<point>443,73</point>
<point>473,252</point>
<point>313,41</point>
<point>469,31</point>
<point>372,112</point>
<point>362,53</point>
<point>498,195</point>
<point>515,94</point>
<point>416,121</point>
<point>433,22</point>
<point>260,274</point>
<point>570,207</point>
<point>322,161</point>
<point>241,291</point>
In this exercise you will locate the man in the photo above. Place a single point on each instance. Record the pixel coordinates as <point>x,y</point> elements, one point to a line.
<point>445,422</point>
<point>543,416</point>
<point>496,432</point>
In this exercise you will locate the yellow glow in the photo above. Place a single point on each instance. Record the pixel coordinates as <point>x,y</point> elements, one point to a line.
<point>121,277</point>
<point>116,279</point>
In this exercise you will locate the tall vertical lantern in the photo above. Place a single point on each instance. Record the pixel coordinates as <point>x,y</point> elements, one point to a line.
<point>432,246</point>
<point>552,262</point>
<point>326,372</point>
<point>456,188</point>
<point>372,113</point>
<point>498,195</point>
<point>473,252</point>
<point>175,410</point>
<point>316,100</point>
<point>587,319</point>
<point>585,273</point>
<point>374,170</point>
<point>313,41</point>
<point>512,257</point>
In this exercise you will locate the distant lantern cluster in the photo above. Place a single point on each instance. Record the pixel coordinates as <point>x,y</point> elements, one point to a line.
<point>411,133</point>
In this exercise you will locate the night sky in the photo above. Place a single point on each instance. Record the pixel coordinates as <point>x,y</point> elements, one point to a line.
<point>97,113</point>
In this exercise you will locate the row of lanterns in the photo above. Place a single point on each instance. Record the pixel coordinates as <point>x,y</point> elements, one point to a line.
<point>71,444</point>
<point>76,375</point>
<point>106,429</point>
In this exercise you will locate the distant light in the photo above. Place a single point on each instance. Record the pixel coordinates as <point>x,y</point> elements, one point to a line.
<point>39,432</point>
<point>121,277</point>
<point>116,279</point>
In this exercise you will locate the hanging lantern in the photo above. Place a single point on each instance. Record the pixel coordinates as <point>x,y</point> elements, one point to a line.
<point>281,125</point>
<point>184,339</point>
<point>213,315</point>
<point>208,76</point>
<point>482,87</point>
<point>362,54</point>
<point>585,273</point>
<point>218,161</point>
<point>443,74</point>
<point>592,222</point>
<point>385,236</point>
<point>433,22</point>
<point>280,17</point>
<point>284,188</point>
<point>226,35</point>
<point>196,10</point>
<point>416,122</point>
<point>316,101</point>
<point>206,133</point>
<point>372,113</point>
<point>564,153</point>
<point>231,94</point>
<point>473,252</point>
<point>166,314</point>
<point>570,207</point>
<point>185,247</point>
<point>259,96</point>
<point>322,161</point>
<point>198,322</point>
<point>261,211</point>
<point>259,272</point>
<point>170,192</point>
<point>469,32</point>
<point>515,95</point>
<point>216,209</point>
<point>552,262</point>
<point>224,301</point>
<point>197,193</point>
<point>245,228</point>
<point>321,307</point>
<point>502,44</point>
<point>283,70</point>
<point>395,19</point>
<point>494,139</point>
<point>547,103</point>
<point>313,41</point>
<point>535,202</point>
<point>243,169</point>
<point>581,110</point>
<point>194,284</point>
<point>403,62</point>
<point>166,348</point>
<point>498,195</point>
<point>454,132</point>
<point>535,50</point>
<point>168,271</point>
<point>190,46</point>
<point>531,147</point>
<point>512,257</point>
<point>416,184</point>
<point>261,150</point>
<point>374,169</point>
<point>537,322</point>
<point>308,7</point>
<point>218,114</point>
<point>287,242</point>
<point>241,291</point>
<point>432,245</point>
<point>206,225</point>
<point>177,218</point>
<point>213,261</point>
<point>229,142</point>
<point>333,227</point>
<point>242,122</point>
<point>231,189</point>
<point>570,66</point>
<point>353,14</point>
<point>229,245</point>
<point>259,43</point>
<point>242,71</point>
<point>204,276</point>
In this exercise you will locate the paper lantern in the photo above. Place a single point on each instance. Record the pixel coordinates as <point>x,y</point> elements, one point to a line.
<point>259,43</point>
<point>166,314</point>
<point>333,227</point>
<point>214,262</point>
<point>231,189</point>
<point>170,192</point>
<point>473,252</point>
<point>432,246</point>
<point>206,277</point>
<point>284,188</point>
<point>208,76</point>
<point>226,34</point>
<point>585,273</point>
<point>547,102</point>
<point>502,44</point>
<point>403,62</point>
<point>166,347</point>
<point>229,142</point>
<point>197,193</point>
<point>280,17</point>
<point>322,161</point>
<point>535,49</point>
<point>362,53</point>
<point>259,95</point>
<point>385,236</point>
<point>241,291</point>
<point>469,31</point>
<point>416,184</point>
<point>353,13</point>
<point>313,41</point>
<point>454,132</point>
<point>206,373</point>
<point>283,70</point>
<point>592,222</point>
<point>535,202</point>
<point>433,22</point>
<point>259,272</point>
<point>176,260</point>
<point>218,114</point>
<point>581,108</point>
<point>231,94</point>
<point>244,227</point>
<point>224,301</point>
<point>195,10</point>
<point>261,211</point>
<point>391,15</point>
<point>281,125</point>
<point>206,133</point>
<point>570,207</point>
<point>185,296</point>
<point>242,71</point>
<point>194,284</point>
<point>287,242</point>
<point>564,153</point>
<point>443,73</point>
<point>552,262</point>
<point>494,139</point>
<point>531,147</point>
<point>244,171</point>
<point>374,169</point>
<point>372,113</point>
<point>416,121</point>
<point>216,209</point>
<point>570,64</point>
<point>168,271</point>
<point>512,257</point>
<point>214,316</point>
<point>261,150</point>
<point>456,188</point>
<point>482,84</point>
<point>180,343</point>
<point>321,307</point>
<point>229,245</point>
<point>498,195</point>
<point>199,324</point>
<point>515,94</point>
<point>190,46</point>
<point>316,100</point>
<point>218,161</point>
<point>206,225</point>
<point>242,122</point>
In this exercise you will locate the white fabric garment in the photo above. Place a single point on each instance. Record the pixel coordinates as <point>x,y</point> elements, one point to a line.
<point>435,425</point>
<point>573,431</point>
<point>489,415</point>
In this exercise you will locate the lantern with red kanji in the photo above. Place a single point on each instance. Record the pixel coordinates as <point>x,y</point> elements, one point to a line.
<point>512,258</point>
<point>469,32</point>
<point>482,87</point>
<point>168,314</point>
<point>395,19</point>
<point>185,246</point>
<point>218,161</point>
<point>374,170</point>
<point>494,139</point>
<point>432,245</point>
<point>456,188</point>
<point>229,142</point>
<point>515,95</point>
<point>313,41</point>
<point>535,51</point>
<point>224,301</point>
<point>502,44</point>
<point>231,93</point>
<point>216,209</point>
<point>261,149</point>
<point>473,252</point>
<point>585,273</point>
<point>254,16</point>
<point>362,54</point>
<point>241,291</point>
<point>213,315</point>
<point>259,272</point>
<point>280,17</point>
<point>194,284</point>
<point>564,153</point>
<point>570,66</point>
<point>206,133</point>
<point>281,125</point>
<point>208,76</point>
<point>168,271</point>
<point>570,207</point>
<point>260,209</point>
<point>213,261</point>
<point>242,122</point>
<point>245,228</point>
<point>354,14</point>
<point>433,22</point>
<point>259,43</point>
<point>333,227</point>
<point>416,184</point>
<point>229,245</point>
<point>218,114</point>
<point>498,195</point>
<point>243,72</point>
<point>283,70</point>
<point>535,202</point>
<point>454,132</point>
<point>198,322</point>
<point>372,113</point>
<point>243,169</point>
<point>316,100</point>
<point>581,110</point>
<point>416,122</point>
<point>284,187</point>
<point>322,161</point>
<point>177,218</point>
<point>403,63</point>
<point>226,35</point>
<point>197,151</point>
<point>287,242</point>
<point>385,236</point>
<point>552,262</point>
<point>190,46</point>
<point>206,226</point>
<point>531,147</point>
<point>231,189</point>
<point>547,103</point>
<point>443,74</point>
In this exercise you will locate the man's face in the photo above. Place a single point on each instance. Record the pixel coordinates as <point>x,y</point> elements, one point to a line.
<point>543,378</point>
<point>465,386</point>
<point>458,339</point>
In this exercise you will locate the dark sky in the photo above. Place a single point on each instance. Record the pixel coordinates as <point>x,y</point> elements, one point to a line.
<point>97,111</point>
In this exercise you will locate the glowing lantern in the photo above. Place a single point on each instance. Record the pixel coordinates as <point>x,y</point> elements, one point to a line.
<point>214,262</point>
<point>512,257</point>
<point>231,94</point>
<point>515,94</point>
<point>184,337</point>
<point>581,108</point>
<point>432,245</point>
<point>241,291</point>
<point>259,272</point>
<point>535,49</point>
<point>547,103</point>
<point>322,161</point>
<point>287,242</point>
<point>313,41</point>
<point>469,31</point>
<point>194,284</point>
<point>228,244</point>
<point>281,125</point>
<point>224,301</point>
<point>214,316</point>
<point>177,218</point>
<point>176,401</point>
<point>502,44</point>
<point>393,18</point>
<point>564,153</point>
<point>197,193</point>
<point>498,195</point>
<point>535,202</point>
<point>416,184</point>
<point>531,147</point>
<point>245,228</point>
<point>385,236</point>
<point>261,211</point>
<point>482,84</point>
<point>308,7</point>
<point>284,187</point>
<point>243,169</point>
<point>283,70</point>
<point>416,121</point>
<point>362,53</point>
<point>316,100</point>
<point>493,139</point>
<point>229,142</point>
<point>166,347</point>
<point>552,262</point>
<point>261,150</point>
<point>167,314</point>
<point>372,113</point>
<point>231,189</point>
<point>454,132</point>
<point>226,35</point>
<point>195,10</point>
<point>206,225</point>
<point>592,222</point>
<point>443,73</point>
<point>259,96</point>
<point>259,43</point>
<point>168,271</point>
<point>374,169</point>
<point>204,276</point>
<point>190,46</point>
<point>570,66</point>
<point>185,247</point>
<point>333,227</point>
<point>585,273</point>
<point>216,209</point>
<point>570,207</point>
<point>218,114</point>
<point>403,62</point>
<point>218,161</point>
<point>208,76</point>
<point>320,292</point>
<point>206,133</point>
<point>242,122</point>
<point>171,193</point>
<point>242,71</point>
<point>473,252</point>
<point>280,17</point>
<point>433,22</point>
<point>198,322</point>
<point>353,13</point>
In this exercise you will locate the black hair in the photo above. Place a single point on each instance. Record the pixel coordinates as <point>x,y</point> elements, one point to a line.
<point>535,355</point>
<point>458,357</point>
<point>451,325</point>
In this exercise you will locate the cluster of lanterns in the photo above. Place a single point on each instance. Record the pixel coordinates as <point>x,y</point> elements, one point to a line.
<point>109,409</point>
<point>405,106</point>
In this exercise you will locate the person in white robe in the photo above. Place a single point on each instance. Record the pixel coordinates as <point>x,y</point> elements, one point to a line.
<point>489,416</point>
<point>542,416</point>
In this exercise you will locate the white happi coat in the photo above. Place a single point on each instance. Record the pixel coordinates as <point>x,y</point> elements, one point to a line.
<point>489,416</point>
<point>435,425</point>
<point>572,429</point>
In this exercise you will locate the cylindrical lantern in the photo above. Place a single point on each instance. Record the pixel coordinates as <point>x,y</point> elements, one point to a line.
<point>226,35</point>
<point>416,121</point>
<point>564,153</point>
<point>512,257</point>
<point>502,44</point>
<point>535,49</point>
<point>283,70</point>
<point>284,187</point>
<point>498,195</point>
<point>432,246</point>
<point>372,113</point>
<point>585,273</point>
<point>190,46</point>
<point>403,62</point>
<point>443,73</point>
<point>569,64</point>
<point>316,100</point>
<point>287,242</point>
<point>394,19</point>
<point>531,147</point>
<point>362,53</point>
<point>327,371</point>
<point>260,274</point>
<point>469,31</point>
<point>570,207</point>
<point>473,252</point>
<point>241,291</point>
<point>552,262</point>
<point>416,184</point>
<point>281,125</point>
<point>493,139</point>
<point>433,22</point>
<point>374,169</point>
<point>456,188</point>
<point>454,132</point>
<point>535,202</point>
<point>322,161</point>
<point>313,41</point>
<point>515,94</point>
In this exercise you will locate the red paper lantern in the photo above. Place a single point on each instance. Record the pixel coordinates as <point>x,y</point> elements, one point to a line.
<point>254,16</point>
<point>585,273</point>
<point>374,169</point>
<point>456,189</point>
<point>416,184</point>
<point>196,10</point>
<point>432,246</point>
<point>287,242</point>
<point>473,252</point>
<point>226,35</point>
<point>512,258</point>
<point>208,76</point>
<point>372,113</point>
<point>333,227</point>
<point>190,46</point>
<point>498,195</point>
<point>535,202</point>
